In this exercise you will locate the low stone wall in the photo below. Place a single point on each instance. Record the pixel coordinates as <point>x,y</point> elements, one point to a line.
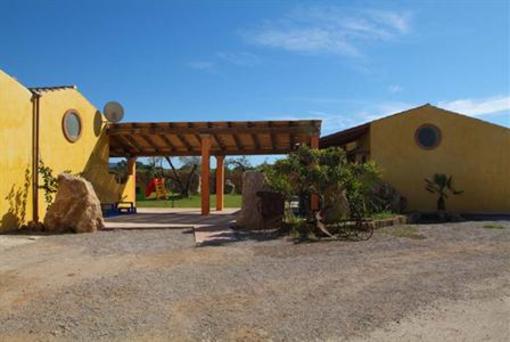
<point>393,221</point>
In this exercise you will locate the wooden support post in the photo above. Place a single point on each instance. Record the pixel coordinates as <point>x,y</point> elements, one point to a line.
<point>205,174</point>
<point>220,181</point>
<point>315,201</point>
<point>132,173</point>
<point>131,166</point>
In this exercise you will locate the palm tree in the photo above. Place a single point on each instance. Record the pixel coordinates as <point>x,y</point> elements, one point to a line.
<point>441,185</point>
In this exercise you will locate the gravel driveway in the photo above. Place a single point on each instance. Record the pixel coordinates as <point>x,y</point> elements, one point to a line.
<point>453,284</point>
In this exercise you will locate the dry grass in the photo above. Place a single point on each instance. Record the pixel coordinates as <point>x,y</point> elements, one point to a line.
<point>494,226</point>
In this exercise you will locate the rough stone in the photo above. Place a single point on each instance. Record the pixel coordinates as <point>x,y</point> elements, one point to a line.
<point>336,208</point>
<point>76,207</point>
<point>250,217</point>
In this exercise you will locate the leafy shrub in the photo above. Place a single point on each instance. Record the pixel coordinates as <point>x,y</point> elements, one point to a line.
<point>385,198</point>
<point>326,173</point>
<point>49,182</point>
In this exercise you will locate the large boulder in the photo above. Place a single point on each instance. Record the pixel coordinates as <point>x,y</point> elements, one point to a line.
<point>336,207</point>
<point>76,207</point>
<point>250,216</point>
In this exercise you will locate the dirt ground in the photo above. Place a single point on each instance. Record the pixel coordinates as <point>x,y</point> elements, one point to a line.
<point>447,282</point>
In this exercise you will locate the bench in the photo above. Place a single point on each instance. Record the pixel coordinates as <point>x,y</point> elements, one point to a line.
<point>126,207</point>
<point>117,208</point>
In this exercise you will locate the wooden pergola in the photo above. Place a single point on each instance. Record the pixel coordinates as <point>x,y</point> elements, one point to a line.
<point>220,139</point>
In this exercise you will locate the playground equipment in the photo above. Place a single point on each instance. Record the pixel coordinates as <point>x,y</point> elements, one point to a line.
<point>156,189</point>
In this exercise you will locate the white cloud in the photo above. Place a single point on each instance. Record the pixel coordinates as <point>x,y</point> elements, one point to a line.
<point>478,107</point>
<point>201,65</point>
<point>330,30</point>
<point>397,21</point>
<point>306,40</point>
<point>395,88</point>
<point>337,121</point>
<point>239,58</point>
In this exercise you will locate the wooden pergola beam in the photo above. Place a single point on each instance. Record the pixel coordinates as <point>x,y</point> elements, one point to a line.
<point>171,129</point>
<point>218,142</point>
<point>216,139</point>
<point>132,141</point>
<point>272,138</point>
<point>167,141</point>
<point>118,140</point>
<point>254,138</point>
<point>239,146</point>
<point>150,142</point>
<point>214,130</point>
<point>292,140</point>
<point>196,135</point>
<point>185,138</point>
<point>184,142</point>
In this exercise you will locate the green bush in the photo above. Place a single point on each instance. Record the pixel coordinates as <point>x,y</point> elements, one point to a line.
<point>326,173</point>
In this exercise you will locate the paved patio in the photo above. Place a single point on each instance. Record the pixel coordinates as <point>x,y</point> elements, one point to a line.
<point>212,228</point>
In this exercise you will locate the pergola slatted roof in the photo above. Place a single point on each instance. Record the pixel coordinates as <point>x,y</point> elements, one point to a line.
<point>133,139</point>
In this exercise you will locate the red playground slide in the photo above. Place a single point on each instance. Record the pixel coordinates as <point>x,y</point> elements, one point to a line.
<point>151,187</point>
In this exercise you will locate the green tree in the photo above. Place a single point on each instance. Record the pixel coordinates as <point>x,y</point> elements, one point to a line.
<point>190,166</point>
<point>240,163</point>
<point>326,173</point>
<point>441,185</point>
<point>120,170</point>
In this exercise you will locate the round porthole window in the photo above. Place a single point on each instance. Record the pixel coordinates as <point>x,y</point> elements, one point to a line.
<point>71,124</point>
<point>428,136</point>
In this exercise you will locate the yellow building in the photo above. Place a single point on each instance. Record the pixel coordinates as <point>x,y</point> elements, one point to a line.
<point>414,144</point>
<point>59,127</point>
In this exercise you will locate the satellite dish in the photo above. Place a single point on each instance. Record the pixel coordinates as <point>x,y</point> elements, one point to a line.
<point>113,111</point>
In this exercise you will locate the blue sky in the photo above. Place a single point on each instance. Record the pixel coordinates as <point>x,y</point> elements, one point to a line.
<point>345,62</point>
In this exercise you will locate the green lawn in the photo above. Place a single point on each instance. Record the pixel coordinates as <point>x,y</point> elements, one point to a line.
<point>231,201</point>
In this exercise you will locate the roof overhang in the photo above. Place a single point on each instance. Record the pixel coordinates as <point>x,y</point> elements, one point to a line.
<point>344,137</point>
<point>133,139</point>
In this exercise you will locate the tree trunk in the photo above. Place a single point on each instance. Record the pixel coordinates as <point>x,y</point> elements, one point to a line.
<point>176,177</point>
<point>441,205</point>
<point>188,181</point>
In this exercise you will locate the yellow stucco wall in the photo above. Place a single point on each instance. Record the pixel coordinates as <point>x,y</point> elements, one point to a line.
<point>87,156</point>
<point>15,154</point>
<point>476,153</point>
